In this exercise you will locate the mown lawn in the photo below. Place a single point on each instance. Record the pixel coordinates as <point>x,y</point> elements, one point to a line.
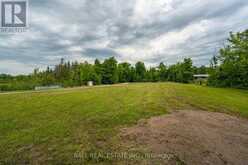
<point>50,127</point>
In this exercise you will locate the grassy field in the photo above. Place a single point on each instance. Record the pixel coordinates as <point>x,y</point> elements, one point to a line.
<point>52,126</point>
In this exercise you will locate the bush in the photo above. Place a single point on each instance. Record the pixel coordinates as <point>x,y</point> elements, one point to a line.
<point>14,86</point>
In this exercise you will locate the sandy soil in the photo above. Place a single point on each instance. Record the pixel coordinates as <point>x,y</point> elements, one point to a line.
<point>192,137</point>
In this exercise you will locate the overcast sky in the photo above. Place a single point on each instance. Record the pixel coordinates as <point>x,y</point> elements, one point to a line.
<point>152,31</point>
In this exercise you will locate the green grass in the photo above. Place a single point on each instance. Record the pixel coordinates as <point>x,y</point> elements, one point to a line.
<point>49,127</point>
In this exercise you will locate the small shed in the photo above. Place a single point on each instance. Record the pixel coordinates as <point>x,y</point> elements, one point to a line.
<point>90,83</point>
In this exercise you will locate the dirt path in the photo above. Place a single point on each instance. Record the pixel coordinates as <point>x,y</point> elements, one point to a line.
<point>193,137</point>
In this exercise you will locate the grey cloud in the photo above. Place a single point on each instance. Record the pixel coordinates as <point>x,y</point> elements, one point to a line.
<point>177,20</point>
<point>101,28</point>
<point>100,53</point>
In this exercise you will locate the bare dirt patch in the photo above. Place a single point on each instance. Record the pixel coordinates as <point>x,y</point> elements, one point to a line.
<point>193,137</point>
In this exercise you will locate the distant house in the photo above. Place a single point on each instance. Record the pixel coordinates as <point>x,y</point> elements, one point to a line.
<point>201,78</point>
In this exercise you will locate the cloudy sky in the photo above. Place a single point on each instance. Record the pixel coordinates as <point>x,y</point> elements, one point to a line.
<point>152,31</point>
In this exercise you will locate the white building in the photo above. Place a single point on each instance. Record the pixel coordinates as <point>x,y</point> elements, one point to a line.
<point>90,83</point>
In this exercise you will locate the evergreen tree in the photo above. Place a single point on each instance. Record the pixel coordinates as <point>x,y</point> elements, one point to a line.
<point>110,71</point>
<point>140,71</point>
<point>124,72</point>
<point>163,72</point>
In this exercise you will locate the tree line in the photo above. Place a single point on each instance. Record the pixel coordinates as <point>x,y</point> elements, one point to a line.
<point>71,74</point>
<point>227,69</point>
<point>110,71</point>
